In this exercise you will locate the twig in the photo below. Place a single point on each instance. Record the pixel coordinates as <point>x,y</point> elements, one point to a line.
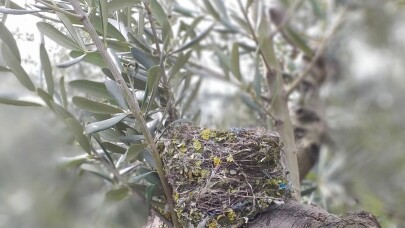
<point>165,79</point>
<point>252,31</point>
<point>133,106</point>
<point>152,25</point>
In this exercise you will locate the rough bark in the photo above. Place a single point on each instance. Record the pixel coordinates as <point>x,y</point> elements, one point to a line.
<point>295,215</point>
<point>308,118</point>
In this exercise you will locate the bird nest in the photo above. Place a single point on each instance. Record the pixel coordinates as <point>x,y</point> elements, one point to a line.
<point>223,178</point>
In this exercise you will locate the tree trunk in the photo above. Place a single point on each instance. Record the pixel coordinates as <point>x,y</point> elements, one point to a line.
<point>292,214</point>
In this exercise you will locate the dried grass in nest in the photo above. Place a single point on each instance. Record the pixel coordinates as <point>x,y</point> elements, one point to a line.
<point>222,178</point>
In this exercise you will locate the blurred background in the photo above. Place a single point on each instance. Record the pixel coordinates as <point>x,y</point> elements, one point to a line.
<point>362,167</point>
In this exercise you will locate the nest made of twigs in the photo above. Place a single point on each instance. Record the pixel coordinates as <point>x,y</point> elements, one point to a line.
<point>222,178</point>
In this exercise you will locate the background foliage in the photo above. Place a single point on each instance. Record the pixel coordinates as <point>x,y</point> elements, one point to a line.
<point>361,167</point>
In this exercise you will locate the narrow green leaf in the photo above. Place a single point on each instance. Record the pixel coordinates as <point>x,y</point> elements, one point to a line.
<point>194,41</point>
<point>106,153</point>
<point>116,5</point>
<point>96,171</point>
<point>17,12</point>
<point>77,130</point>
<point>116,93</point>
<point>162,18</point>
<point>45,97</point>
<point>139,43</point>
<point>94,57</point>
<point>224,16</point>
<point>63,91</point>
<point>153,124</point>
<point>266,44</point>
<point>250,103</point>
<point>184,90</point>
<point>71,29</point>
<point>60,111</point>
<point>141,24</point>
<point>298,41</point>
<point>135,179</point>
<point>113,148</point>
<point>131,138</point>
<point>115,59</point>
<point>117,194</point>
<point>241,22</point>
<point>134,151</point>
<point>112,32</point>
<point>97,89</point>
<point>47,68</point>
<point>16,68</point>
<point>57,109</point>
<point>182,10</point>
<point>4,69</point>
<point>110,135</point>
<point>224,60</point>
<point>158,12</point>
<point>190,30</point>
<point>105,124</point>
<point>152,178</point>
<point>104,16</point>
<point>95,107</point>
<point>8,101</point>
<point>144,59</point>
<point>150,189</point>
<point>118,46</point>
<point>71,62</point>
<point>180,62</point>
<point>147,156</point>
<point>257,81</point>
<point>57,36</point>
<point>13,5</point>
<point>73,161</point>
<point>142,189</point>
<point>153,75</point>
<point>107,72</point>
<point>8,39</point>
<point>235,61</point>
<point>211,10</point>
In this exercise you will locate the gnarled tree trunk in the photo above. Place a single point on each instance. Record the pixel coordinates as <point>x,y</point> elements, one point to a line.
<point>293,214</point>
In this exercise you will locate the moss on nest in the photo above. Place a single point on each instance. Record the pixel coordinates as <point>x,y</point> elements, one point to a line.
<point>222,178</point>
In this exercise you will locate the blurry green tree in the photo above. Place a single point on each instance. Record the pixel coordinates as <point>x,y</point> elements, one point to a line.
<point>155,56</point>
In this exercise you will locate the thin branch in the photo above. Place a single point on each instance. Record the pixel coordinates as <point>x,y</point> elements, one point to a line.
<point>152,25</point>
<point>252,31</point>
<point>133,106</point>
<point>165,79</point>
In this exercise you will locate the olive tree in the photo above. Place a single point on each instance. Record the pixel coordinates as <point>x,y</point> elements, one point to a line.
<point>154,56</point>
